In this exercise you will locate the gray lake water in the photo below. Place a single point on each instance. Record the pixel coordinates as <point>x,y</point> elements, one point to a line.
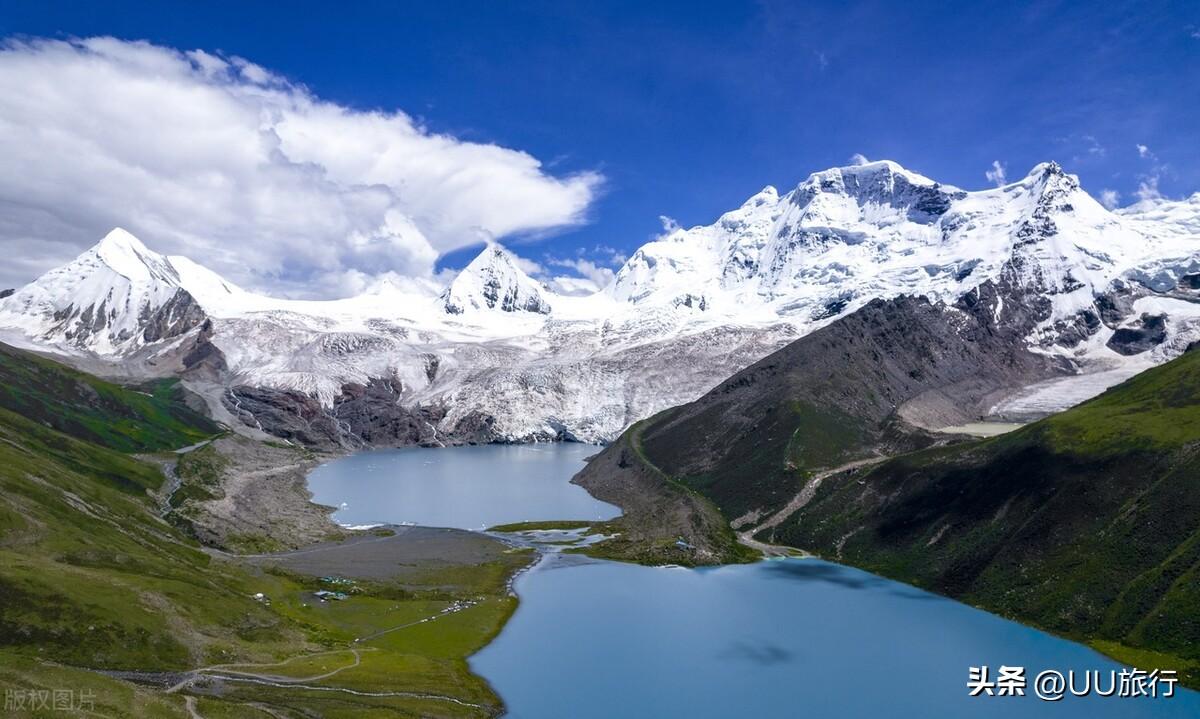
<point>462,487</point>
<point>795,637</point>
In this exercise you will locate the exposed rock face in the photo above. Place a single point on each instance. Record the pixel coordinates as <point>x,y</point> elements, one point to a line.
<point>1150,333</point>
<point>203,359</point>
<point>363,415</point>
<point>176,317</point>
<point>289,415</point>
<point>6,293</point>
<point>372,414</point>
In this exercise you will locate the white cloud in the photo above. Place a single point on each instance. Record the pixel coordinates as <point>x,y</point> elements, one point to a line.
<point>594,276</point>
<point>1110,198</point>
<point>1143,151</point>
<point>669,227</point>
<point>996,175</point>
<point>220,159</point>
<point>1148,189</point>
<point>528,266</point>
<point>572,286</point>
<point>858,159</point>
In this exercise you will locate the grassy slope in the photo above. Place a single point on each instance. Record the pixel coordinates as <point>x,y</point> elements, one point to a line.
<point>91,577</point>
<point>89,408</point>
<point>768,465</point>
<point>657,511</point>
<point>1086,523</point>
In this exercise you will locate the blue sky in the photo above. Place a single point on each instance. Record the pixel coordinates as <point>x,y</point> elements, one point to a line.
<point>688,108</point>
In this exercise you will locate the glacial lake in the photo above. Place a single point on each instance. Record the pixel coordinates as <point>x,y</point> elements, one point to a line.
<point>792,637</point>
<point>461,487</point>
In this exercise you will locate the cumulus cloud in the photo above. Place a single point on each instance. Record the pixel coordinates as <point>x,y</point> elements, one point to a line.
<point>669,227</point>
<point>1143,151</point>
<point>591,270</point>
<point>996,175</point>
<point>1110,198</point>
<point>591,277</point>
<point>1148,189</point>
<point>858,159</point>
<point>222,160</point>
<point>526,265</point>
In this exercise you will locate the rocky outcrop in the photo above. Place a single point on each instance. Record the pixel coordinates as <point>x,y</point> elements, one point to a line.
<point>367,415</point>
<point>1150,332</point>
<point>372,414</point>
<point>202,359</point>
<point>176,317</point>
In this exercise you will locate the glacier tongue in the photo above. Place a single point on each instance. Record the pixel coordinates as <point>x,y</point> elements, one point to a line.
<point>505,358</point>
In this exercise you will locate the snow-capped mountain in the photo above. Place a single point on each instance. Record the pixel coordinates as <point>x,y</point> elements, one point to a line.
<point>497,356</point>
<point>114,298</point>
<point>848,235</point>
<point>494,281</point>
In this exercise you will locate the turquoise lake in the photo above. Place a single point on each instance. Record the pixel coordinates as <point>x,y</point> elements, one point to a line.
<point>794,637</point>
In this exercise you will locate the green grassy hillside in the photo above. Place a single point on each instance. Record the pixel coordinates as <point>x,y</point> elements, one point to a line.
<point>1086,523</point>
<point>93,579</point>
<point>89,408</point>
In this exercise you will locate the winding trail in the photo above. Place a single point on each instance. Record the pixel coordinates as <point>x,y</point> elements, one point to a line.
<point>317,687</point>
<point>232,672</point>
<point>189,703</point>
<point>444,613</point>
<point>284,679</point>
<point>802,498</point>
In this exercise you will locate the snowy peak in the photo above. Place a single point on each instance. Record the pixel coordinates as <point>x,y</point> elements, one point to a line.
<point>843,193</point>
<point>127,256</point>
<point>494,280</point>
<point>882,173</point>
<point>847,235</point>
<point>113,298</point>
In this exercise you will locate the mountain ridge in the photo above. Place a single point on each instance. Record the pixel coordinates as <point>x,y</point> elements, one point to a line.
<point>1107,292</point>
